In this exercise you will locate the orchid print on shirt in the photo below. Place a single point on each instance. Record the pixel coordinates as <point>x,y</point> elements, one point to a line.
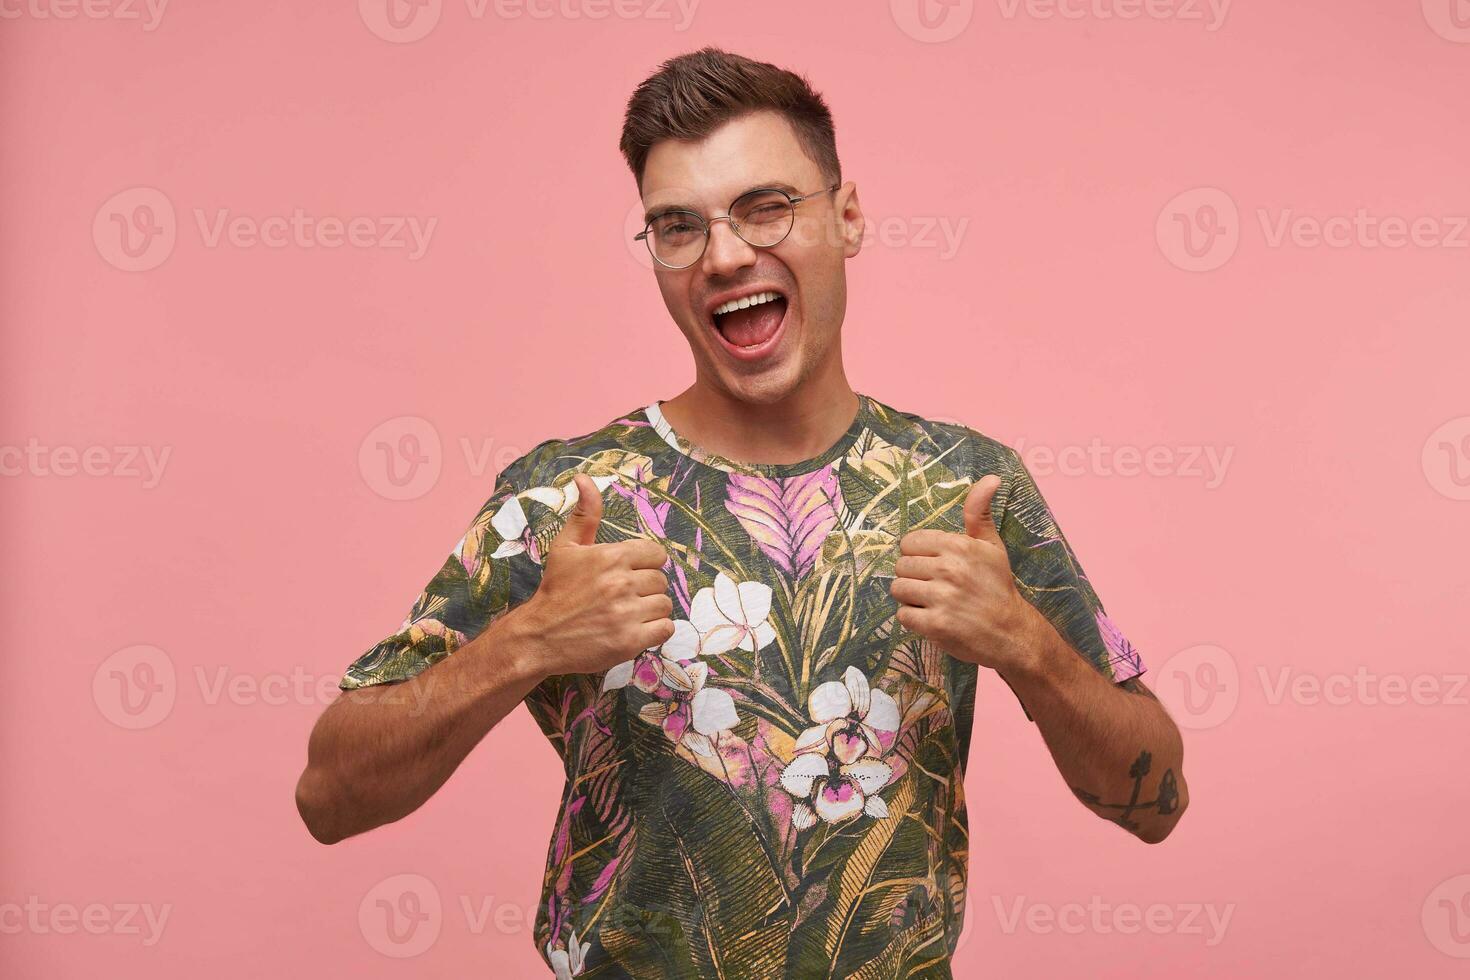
<point>778,789</point>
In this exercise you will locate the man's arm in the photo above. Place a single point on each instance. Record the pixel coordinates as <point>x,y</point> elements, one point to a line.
<point>378,753</point>
<point>1114,744</point>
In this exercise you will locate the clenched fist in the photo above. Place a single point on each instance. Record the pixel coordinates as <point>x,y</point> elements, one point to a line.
<point>598,604</point>
<point>957,589</point>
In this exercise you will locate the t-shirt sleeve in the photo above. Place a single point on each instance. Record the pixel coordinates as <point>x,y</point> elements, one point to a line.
<point>1049,576</point>
<point>485,574</point>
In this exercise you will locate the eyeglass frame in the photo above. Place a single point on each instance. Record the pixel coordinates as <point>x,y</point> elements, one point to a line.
<point>709,224</point>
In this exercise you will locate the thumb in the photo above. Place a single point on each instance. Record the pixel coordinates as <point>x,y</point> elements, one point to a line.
<point>979,522</point>
<point>581,525</point>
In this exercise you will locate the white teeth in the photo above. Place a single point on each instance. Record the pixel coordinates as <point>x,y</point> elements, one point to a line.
<point>745,302</point>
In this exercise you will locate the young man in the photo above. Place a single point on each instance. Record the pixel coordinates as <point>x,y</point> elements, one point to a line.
<point>750,617</point>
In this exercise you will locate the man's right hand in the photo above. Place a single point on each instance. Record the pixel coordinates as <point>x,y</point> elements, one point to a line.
<point>598,605</point>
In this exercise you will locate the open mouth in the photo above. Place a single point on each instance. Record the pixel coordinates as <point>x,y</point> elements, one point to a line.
<point>749,326</point>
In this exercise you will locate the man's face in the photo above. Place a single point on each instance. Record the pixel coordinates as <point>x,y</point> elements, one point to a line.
<point>765,352</point>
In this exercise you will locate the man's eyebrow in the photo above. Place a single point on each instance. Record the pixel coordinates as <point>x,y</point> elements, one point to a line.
<point>764,185</point>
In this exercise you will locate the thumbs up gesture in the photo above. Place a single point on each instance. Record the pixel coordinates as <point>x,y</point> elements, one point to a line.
<point>597,604</point>
<point>957,589</point>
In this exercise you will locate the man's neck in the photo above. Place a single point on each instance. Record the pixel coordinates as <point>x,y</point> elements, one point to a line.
<point>791,430</point>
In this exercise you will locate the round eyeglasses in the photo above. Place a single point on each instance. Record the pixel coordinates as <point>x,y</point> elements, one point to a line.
<point>762,218</point>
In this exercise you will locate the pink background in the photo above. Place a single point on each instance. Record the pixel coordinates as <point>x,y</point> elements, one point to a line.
<point>1070,150</point>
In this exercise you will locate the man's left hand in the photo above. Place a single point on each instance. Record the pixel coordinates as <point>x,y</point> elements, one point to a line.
<point>957,589</point>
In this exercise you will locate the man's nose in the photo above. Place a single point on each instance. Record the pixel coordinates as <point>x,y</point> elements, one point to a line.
<point>726,251</point>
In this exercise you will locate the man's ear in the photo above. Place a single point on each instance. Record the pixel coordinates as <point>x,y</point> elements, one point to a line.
<point>853,222</point>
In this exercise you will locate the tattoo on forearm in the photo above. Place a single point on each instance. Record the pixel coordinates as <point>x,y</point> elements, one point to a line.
<point>1165,803</point>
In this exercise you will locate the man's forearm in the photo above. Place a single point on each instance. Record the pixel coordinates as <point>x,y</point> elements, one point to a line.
<point>377,753</point>
<point>1114,744</point>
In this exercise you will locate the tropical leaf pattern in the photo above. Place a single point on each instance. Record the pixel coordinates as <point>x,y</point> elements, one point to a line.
<point>777,790</point>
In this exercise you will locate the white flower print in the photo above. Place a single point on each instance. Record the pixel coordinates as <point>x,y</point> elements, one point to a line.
<point>823,787</point>
<point>729,615</point>
<point>692,713</point>
<point>567,963</point>
<point>852,719</point>
<point>645,671</point>
<point>510,521</point>
<point>836,773</point>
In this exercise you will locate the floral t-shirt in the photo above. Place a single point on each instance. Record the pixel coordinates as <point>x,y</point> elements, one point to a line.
<point>778,790</point>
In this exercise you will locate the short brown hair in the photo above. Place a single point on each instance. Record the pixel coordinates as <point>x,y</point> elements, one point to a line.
<point>692,95</point>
